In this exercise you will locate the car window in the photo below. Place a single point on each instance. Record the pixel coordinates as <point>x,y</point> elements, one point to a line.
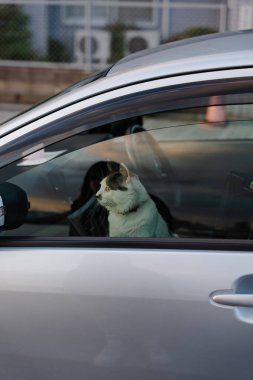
<point>192,165</point>
<point>213,170</point>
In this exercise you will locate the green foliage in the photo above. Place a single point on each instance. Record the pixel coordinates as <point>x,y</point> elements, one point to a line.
<point>15,38</point>
<point>192,32</point>
<point>118,40</point>
<point>57,51</point>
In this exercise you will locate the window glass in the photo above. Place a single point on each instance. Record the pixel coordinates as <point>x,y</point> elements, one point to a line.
<point>190,168</point>
<point>75,14</point>
<point>141,15</point>
<point>213,171</point>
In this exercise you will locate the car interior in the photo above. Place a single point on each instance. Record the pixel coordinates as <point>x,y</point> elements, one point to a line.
<point>202,186</point>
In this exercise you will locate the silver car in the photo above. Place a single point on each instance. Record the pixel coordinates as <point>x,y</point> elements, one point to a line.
<point>77,303</point>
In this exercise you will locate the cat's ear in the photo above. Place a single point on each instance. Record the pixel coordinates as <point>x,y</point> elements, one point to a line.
<point>124,171</point>
<point>112,166</point>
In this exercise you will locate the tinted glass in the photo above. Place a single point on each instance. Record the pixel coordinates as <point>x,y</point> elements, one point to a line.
<point>194,164</point>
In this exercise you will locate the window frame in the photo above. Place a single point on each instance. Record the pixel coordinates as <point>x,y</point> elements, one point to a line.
<point>112,15</point>
<point>47,135</point>
<point>104,108</point>
<point>80,21</point>
<point>154,7</point>
<point>136,244</point>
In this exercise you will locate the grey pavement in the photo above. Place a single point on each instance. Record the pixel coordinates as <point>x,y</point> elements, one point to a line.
<point>8,110</point>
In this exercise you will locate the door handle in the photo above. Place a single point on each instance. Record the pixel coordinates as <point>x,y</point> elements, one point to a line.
<point>239,298</point>
<point>228,298</point>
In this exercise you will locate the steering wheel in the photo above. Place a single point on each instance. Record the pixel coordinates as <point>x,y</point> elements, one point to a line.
<point>150,161</point>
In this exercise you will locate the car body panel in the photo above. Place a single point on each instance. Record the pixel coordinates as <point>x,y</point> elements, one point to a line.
<point>62,309</point>
<point>104,309</point>
<point>212,45</point>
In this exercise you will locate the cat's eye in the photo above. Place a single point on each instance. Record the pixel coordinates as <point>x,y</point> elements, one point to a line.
<point>107,188</point>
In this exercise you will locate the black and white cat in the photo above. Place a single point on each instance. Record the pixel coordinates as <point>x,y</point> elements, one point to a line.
<point>131,210</point>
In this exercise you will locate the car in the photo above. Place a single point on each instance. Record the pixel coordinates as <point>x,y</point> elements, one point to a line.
<point>80,302</point>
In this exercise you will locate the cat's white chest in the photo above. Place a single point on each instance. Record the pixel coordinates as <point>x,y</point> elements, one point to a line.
<point>132,213</point>
<point>145,222</point>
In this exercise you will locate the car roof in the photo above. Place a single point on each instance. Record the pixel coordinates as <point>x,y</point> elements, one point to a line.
<point>191,50</point>
<point>211,52</point>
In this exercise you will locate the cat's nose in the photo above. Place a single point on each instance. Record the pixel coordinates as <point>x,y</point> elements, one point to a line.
<point>99,196</point>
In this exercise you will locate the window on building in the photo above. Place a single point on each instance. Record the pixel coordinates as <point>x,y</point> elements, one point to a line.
<point>75,14</point>
<point>138,15</point>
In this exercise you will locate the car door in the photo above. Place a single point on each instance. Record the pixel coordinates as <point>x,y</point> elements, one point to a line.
<point>76,303</point>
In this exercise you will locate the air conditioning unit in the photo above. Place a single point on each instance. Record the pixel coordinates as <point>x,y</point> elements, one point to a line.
<point>100,47</point>
<point>137,40</point>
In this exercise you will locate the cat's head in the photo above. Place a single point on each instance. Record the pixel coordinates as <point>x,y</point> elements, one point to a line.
<point>121,191</point>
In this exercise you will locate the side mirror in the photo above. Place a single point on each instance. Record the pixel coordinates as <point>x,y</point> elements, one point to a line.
<point>14,206</point>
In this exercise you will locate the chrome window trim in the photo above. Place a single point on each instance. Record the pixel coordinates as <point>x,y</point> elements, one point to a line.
<point>114,94</point>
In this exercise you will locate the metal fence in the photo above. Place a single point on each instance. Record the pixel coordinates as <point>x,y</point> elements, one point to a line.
<point>91,34</point>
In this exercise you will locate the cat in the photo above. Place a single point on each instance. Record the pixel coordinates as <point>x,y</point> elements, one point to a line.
<point>132,212</point>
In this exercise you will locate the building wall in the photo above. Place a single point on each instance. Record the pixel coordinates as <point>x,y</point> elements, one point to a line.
<point>46,21</point>
<point>38,17</point>
<point>240,14</point>
<point>58,30</point>
<point>186,17</point>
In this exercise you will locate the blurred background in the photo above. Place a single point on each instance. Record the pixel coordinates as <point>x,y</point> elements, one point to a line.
<point>46,45</point>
